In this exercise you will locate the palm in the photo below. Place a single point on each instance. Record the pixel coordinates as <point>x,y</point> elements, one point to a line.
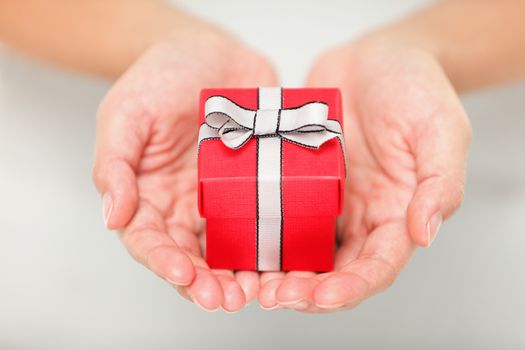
<point>380,184</point>
<point>382,177</point>
<point>388,100</point>
<point>158,97</point>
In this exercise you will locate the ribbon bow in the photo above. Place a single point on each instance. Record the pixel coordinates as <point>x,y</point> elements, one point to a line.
<point>307,125</point>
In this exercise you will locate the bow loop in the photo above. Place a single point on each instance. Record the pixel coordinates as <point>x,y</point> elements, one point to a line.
<point>220,110</point>
<point>307,125</point>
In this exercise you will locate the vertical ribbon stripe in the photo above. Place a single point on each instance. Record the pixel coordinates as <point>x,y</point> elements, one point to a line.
<point>269,201</point>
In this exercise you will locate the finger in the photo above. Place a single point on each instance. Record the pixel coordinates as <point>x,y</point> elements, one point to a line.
<point>386,251</point>
<point>249,282</point>
<point>267,298</point>
<point>233,295</point>
<point>222,289</point>
<point>268,276</point>
<point>183,292</point>
<point>121,137</point>
<point>310,308</point>
<point>206,290</point>
<point>185,238</point>
<point>297,289</point>
<point>146,240</point>
<point>294,290</point>
<point>349,250</point>
<point>304,304</point>
<point>441,149</point>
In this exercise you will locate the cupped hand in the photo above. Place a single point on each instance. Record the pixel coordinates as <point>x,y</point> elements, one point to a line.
<point>145,158</point>
<point>407,138</point>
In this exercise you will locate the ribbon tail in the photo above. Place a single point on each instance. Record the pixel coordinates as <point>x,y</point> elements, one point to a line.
<point>235,139</point>
<point>335,127</point>
<point>310,140</point>
<point>206,132</point>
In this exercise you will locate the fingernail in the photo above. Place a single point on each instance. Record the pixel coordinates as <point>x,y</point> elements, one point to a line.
<point>107,207</point>
<point>269,308</point>
<point>177,283</point>
<point>290,303</point>
<point>302,305</point>
<point>433,227</point>
<point>329,306</point>
<point>228,311</point>
<point>203,308</point>
<point>177,277</point>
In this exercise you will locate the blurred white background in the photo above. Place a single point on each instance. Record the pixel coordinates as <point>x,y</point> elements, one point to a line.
<point>66,283</point>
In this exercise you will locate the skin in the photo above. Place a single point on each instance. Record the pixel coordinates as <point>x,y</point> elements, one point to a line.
<point>407,135</point>
<point>146,168</point>
<point>406,145</point>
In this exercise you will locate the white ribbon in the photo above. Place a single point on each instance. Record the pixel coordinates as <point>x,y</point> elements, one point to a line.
<point>307,125</point>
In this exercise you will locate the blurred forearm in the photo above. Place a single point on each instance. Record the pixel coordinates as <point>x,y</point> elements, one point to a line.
<point>478,42</point>
<point>96,36</point>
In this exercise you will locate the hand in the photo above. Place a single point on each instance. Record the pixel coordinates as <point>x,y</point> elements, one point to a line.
<point>146,160</point>
<point>407,138</point>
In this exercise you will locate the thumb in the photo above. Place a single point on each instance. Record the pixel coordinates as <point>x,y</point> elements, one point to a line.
<point>441,149</point>
<point>121,137</point>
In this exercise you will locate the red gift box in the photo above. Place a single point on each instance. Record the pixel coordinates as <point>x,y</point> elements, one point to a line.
<point>271,177</point>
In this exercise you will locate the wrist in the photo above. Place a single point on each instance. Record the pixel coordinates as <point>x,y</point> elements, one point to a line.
<point>405,41</point>
<point>151,24</point>
<point>398,38</point>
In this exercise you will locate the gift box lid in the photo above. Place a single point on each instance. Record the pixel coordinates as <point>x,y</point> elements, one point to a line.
<point>311,181</point>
